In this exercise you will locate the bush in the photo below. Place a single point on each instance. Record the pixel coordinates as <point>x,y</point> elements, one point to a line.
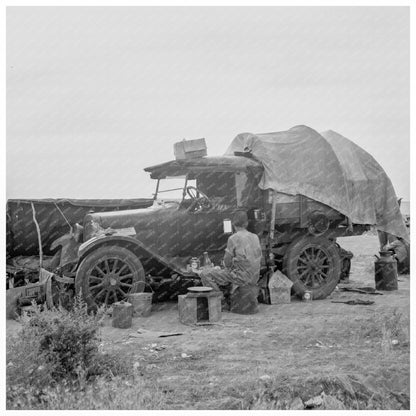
<point>55,346</point>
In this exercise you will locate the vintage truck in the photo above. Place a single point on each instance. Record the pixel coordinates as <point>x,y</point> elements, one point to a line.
<point>192,200</point>
<point>149,248</point>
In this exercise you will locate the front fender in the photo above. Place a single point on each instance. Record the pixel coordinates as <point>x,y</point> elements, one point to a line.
<point>90,244</point>
<point>136,246</point>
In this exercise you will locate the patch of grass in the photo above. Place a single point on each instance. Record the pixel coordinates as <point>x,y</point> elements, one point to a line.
<point>336,392</point>
<point>388,331</point>
<point>395,330</point>
<point>117,393</point>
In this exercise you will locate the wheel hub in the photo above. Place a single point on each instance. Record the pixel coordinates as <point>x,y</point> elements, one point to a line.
<point>111,281</point>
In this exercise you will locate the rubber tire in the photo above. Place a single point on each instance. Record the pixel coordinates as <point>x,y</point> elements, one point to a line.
<point>290,260</point>
<point>96,256</point>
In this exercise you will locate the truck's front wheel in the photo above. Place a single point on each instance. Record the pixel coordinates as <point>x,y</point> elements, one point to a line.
<point>109,274</point>
<point>314,264</point>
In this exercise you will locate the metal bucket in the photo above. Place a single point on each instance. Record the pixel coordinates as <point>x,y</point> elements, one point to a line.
<point>142,303</point>
<point>122,314</point>
<point>385,271</point>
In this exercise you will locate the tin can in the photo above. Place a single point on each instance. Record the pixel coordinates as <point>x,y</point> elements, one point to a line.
<point>122,314</point>
<point>307,296</point>
<point>194,263</point>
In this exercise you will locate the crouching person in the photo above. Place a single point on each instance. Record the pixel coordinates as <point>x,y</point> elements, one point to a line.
<point>242,267</point>
<point>401,252</point>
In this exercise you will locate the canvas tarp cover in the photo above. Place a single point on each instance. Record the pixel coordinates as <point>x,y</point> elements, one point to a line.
<point>328,168</point>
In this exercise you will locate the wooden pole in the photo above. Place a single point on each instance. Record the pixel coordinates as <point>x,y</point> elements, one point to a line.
<point>273,218</point>
<point>39,236</point>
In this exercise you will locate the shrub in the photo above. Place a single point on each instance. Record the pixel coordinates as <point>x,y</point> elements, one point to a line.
<point>55,346</point>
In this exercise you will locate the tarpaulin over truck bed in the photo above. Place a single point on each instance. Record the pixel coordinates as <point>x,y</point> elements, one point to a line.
<point>328,168</point>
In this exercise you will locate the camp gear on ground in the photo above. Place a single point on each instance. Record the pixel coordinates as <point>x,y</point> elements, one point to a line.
<point>199,289</point>
<point>307,296</point>
<point>385,271</point>
<point>122,314</point>
<point>279,287</point>
<point>206,261</point>
<point>142,303</point>
<point>354,302</point>
<point>366,290</point>
<point>194,263</point>
<point>199,307</point>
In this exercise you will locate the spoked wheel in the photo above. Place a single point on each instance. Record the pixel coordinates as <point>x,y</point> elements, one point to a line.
<point>314,264</point>
<point>108,275</point>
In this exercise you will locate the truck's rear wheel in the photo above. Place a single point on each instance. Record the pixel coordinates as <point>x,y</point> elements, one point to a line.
<point>108,275</point>
<point>314,264</point>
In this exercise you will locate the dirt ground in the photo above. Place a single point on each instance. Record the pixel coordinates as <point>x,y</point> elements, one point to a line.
<point>356,354</point>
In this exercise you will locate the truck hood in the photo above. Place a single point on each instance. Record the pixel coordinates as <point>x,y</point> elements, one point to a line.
<point>127,221</point>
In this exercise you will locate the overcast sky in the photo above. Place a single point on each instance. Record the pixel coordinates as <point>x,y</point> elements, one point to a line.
<point>94,95</point>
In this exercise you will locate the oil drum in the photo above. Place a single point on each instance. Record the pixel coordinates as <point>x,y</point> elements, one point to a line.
<point>385,271</point>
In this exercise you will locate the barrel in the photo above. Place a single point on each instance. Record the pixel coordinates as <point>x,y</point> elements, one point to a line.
<point>385,271</point>
<point>122,314</point>
<point>142,303</point>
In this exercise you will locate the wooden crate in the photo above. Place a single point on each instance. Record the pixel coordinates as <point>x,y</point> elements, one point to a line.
<point>190,149</point>
<point>199,308</point>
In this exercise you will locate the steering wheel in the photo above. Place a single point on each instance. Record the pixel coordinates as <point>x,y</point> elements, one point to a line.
<point>200,200</point>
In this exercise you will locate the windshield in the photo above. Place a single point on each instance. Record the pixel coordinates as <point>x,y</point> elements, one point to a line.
<point>172,189</point>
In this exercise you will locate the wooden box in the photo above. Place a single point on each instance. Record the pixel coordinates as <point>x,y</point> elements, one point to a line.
<point>275,289</point>
<point>199,308</point>
<point>279,288</point>
<point>190,149</point>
